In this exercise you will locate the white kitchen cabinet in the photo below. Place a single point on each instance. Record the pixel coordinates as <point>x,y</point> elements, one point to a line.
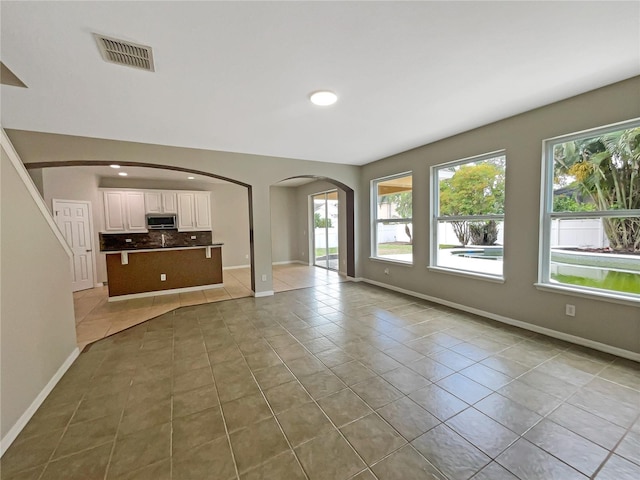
<point>124,211</point>
<point>194,211</point>
<point>186,214</point>
<point>159,201</point>
<point>135,215</point>
<point>202,210</point>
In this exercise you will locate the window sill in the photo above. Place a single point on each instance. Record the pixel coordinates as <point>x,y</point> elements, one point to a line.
<point>394,262</point>
<point>591,294</point>
<point>467,274</point>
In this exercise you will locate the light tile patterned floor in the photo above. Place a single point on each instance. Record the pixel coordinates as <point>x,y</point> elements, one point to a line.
<point>336,382</point>
<point>97,318</point>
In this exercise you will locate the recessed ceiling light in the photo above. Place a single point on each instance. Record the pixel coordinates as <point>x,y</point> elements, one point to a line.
<point>114,166</point>
<point>323,98</point>
<point>123,174</point>
<point>190,178</point>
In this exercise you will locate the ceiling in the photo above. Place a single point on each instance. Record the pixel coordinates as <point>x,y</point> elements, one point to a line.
<point>236,76</point>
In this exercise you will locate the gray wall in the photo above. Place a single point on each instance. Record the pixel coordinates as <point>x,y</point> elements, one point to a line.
<point>38,328</point>
<point>284,215</point>
<point>609,323</point>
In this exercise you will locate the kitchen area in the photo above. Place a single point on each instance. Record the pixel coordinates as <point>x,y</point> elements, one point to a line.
<point>158,241</point>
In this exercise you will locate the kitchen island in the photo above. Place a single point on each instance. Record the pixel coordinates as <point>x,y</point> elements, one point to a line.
<point>136,273</point>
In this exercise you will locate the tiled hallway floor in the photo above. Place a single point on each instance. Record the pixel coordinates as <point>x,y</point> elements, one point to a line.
<point>336,382</point>
<point>97,318</point>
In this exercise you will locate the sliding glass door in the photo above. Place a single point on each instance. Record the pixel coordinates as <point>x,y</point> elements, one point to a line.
<point>325,228</point>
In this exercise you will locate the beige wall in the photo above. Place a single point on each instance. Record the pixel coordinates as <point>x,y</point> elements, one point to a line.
<point>304,222</point>
<point>37,328</point>
<point>229,211</point>
<point>521,136</point>
<point>284,216</point>
<point>76,184</point>
<point>260,172</point>
<point>229,206</point>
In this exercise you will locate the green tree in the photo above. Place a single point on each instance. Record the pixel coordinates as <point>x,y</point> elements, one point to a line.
<point>474,190</point>
<point>320,222</point>
<point>606,169</point>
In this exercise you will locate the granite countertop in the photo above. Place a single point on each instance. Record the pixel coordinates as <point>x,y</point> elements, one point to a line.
<point>160,249</point>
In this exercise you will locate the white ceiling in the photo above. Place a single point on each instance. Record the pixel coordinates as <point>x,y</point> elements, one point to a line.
<point>235,76</point>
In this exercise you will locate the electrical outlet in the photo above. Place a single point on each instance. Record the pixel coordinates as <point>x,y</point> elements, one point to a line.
<point>128,240</point>
<point>570,310</point>
<point>264,278</point>
<point>193,237</point>
<point>386,271</point>
<point>246,256</point>
<point>163,277</point>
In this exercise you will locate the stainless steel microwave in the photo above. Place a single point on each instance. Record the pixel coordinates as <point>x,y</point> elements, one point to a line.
<point>161,221</point>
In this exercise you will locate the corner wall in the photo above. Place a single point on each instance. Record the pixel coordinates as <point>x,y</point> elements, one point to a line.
<point>37,326</point>
<point>612,324</point>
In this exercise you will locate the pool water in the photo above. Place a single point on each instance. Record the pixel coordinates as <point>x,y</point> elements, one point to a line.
<point>613,280</point>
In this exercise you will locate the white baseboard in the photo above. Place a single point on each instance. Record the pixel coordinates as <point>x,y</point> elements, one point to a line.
<point>357,279</point>
<point>289,262</point>
<point>236,267</point>
<point>156,293</point>
<point>267,293</point>
<point>14,431</point>
<point>585,342</point>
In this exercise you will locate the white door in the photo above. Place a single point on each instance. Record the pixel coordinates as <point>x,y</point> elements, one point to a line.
<point>73,220</point>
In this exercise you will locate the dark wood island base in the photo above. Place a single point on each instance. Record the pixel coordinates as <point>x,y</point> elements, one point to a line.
<point>137,272</point>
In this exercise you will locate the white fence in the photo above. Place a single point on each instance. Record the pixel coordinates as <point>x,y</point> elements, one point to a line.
<point>564,232</point>
<point>321,237</point>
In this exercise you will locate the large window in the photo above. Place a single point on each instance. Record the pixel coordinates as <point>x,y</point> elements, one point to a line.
<point>392,225</point>
<point>591,212</point>
<point>468,215</point>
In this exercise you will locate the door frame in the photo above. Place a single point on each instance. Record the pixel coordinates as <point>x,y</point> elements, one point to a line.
<point>94,251</point>
<point>312,230</point>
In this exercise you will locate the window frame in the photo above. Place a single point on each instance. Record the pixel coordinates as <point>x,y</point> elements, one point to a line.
<point>547,215</point>
<point>375,220</point>
<point>436,218</point>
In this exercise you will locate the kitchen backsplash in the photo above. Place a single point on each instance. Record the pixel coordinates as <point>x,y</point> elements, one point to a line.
<point>153,239</point>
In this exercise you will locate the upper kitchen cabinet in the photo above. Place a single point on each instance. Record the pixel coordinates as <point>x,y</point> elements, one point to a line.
<point>160,201</point>
<point>194,211</point>
<point>124,211</point>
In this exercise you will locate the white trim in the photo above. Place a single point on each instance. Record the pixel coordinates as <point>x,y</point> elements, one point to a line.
<point>267,293</point>
<point>355,279</point>
<point>603,347</point>
<point>289,262</point>
<point>156,293</point>
<point>14,158</point>
<point>14,431</point>
<point>94,246</point>
<point>236,267</point>
<point>393,261</point>
<point>468,274</point>
<point>584,292</point>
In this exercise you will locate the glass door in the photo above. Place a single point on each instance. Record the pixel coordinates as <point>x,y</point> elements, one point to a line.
<point>325,228</point>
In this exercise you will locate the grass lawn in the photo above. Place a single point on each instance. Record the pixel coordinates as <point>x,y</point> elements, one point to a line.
<point>394,248</point>
<point>320,252</point>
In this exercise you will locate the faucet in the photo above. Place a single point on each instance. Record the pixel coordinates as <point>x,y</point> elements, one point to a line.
<point>163,240</point>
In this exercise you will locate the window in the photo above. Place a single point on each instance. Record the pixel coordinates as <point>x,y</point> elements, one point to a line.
<point>591,212</point>
<point>468,215</point>
<point>392,225</point>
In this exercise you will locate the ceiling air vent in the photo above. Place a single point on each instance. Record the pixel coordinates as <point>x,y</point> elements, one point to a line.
<point>125,53</point>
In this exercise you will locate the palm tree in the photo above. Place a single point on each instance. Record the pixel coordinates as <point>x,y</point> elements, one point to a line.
<point>607,170</point>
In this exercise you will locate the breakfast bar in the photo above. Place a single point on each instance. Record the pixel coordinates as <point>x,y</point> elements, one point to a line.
<point>135,273</point>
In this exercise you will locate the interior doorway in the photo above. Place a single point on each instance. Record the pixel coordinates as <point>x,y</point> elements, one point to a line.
<point>74,221</point>
<point>325,229</point>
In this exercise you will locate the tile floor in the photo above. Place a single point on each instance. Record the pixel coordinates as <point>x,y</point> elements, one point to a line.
<point>97,318</point>
<point>340,381</point>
